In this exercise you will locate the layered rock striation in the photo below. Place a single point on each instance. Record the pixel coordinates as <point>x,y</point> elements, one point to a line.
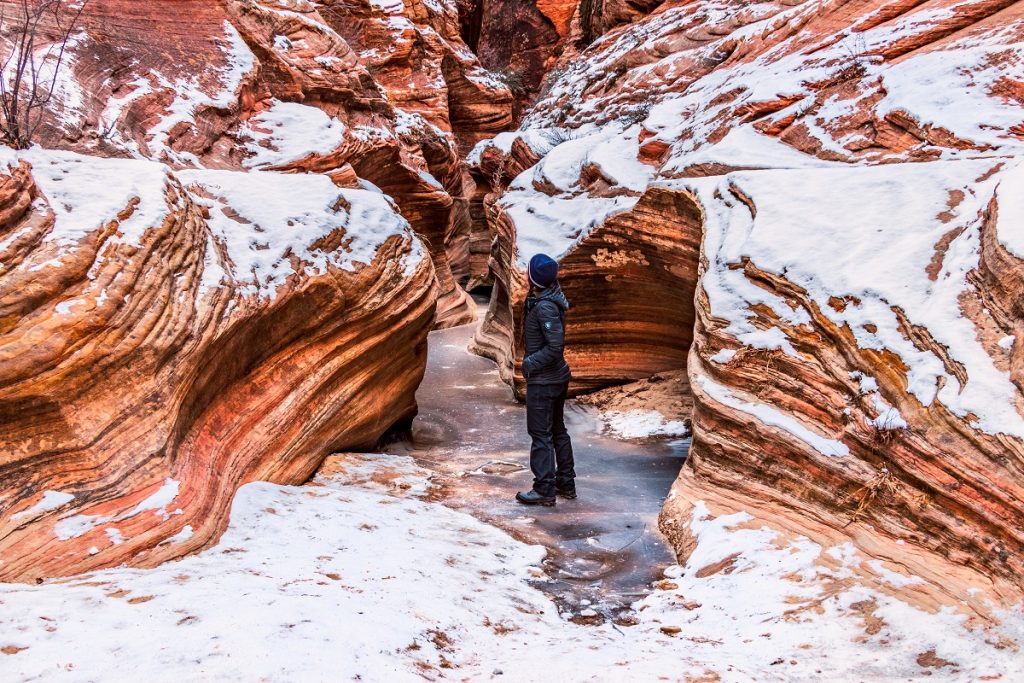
<point>869,388</point>
<point>524,42</point>
<point>203,280</point>
<point>169,336</point>
<point>630,285</point>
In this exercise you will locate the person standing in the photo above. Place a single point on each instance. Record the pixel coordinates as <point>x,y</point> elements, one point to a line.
<point>547,385</point>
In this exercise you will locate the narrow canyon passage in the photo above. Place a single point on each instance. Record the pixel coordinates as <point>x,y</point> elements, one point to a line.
<point>604,549</point>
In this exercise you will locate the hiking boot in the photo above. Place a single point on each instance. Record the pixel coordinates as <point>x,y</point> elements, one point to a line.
<point>531,497</point>
<point>568,492</point>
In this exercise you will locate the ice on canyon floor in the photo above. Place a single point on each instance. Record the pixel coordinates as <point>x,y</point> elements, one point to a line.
<point>359,576</point>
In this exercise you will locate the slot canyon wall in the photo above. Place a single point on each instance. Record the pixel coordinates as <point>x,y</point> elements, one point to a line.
<point>812,207</point>
<point>222,261</point>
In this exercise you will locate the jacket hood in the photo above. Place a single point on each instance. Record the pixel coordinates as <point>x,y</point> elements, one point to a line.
<point>554,295</point>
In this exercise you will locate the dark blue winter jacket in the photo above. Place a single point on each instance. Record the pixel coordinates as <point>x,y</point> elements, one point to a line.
<point>544,337</point>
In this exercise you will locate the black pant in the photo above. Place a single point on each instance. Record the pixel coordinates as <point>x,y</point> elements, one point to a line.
<point>551,451</point>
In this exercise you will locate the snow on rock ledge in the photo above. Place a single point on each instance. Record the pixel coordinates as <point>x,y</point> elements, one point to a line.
<point>399,587</point>
<point>360,91</point>
<point>869,386</point>
<point>167,336</point>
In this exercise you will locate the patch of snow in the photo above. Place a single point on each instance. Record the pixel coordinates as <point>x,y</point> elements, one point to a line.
<point>51,500</point>
<point>638,423</point>
<point>181,536</point>
<point>776,613</point>
<point>723,356</point>
<point>876,253</point>
<point>888,417</point>
<point>431,180</point>
<point>267,220</point>
<point>949,87</point>
<point>50,71</point>
<point>553,225</point>
<point>1010,207</point>
<point>88,192</point>
<point>116,106</point>
<point>744,147</point>
<point>612,150</point>
<point>415,257</point>
<point>189,96</point>
<point>773,417</point>
<point>64,307</point>
<point>894,579</point>
<point>159,500</point>
<point>357,578</point>
<point>76,525</point>
<point>540,140</point>
<point>288,132</point>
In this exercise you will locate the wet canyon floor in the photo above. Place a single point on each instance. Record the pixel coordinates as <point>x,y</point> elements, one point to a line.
<point>604,548</point>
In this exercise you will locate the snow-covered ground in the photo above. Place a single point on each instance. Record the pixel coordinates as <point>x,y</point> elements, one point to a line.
<point>360,577</point>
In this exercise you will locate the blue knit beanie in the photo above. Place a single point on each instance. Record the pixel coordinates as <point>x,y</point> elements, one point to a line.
<point>543,271</point>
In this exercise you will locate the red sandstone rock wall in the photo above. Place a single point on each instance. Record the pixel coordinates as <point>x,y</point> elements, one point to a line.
<point>523,42</point>
<point>172,330</point>
<point>630,286</point>
<point>139,356</point>
<point>831,397</point>
<point>832,422</point>
<point>705,88</point>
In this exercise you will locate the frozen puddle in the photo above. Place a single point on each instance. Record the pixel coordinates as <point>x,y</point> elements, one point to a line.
<point>362,576</point>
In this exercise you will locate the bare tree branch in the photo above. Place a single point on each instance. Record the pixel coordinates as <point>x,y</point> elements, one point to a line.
<point>29,74</point>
